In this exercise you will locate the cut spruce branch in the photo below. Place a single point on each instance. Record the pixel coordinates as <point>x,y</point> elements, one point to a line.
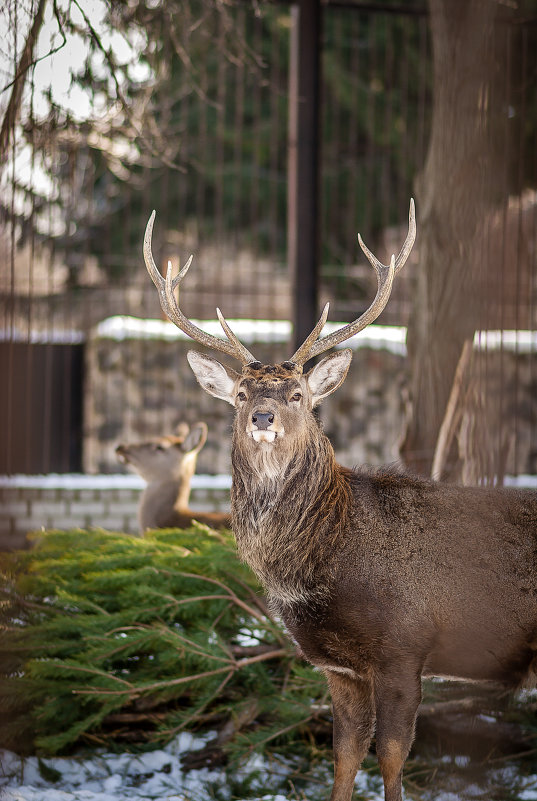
<point>230,667</point>
<point>112,639</point>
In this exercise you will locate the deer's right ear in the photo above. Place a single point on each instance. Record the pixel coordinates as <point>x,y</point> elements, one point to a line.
<point>328,374</point>
<point>215,379</point>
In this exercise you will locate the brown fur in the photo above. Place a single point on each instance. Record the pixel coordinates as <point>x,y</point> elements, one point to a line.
<point>380,577</point>
<point>167,464</point>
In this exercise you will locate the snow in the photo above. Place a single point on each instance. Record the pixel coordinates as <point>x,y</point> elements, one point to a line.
<point>220,481</point>
<point>381,337</point>
<point>519,341</point>
<point>75,481</point>
<point>157,776</point>
<point>392,338</point>
<point>249,332</point>
<point>116,777</point>
<point>42,337</point>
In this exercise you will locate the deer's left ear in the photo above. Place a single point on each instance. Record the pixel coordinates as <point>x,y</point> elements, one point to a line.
<point>328,375</point>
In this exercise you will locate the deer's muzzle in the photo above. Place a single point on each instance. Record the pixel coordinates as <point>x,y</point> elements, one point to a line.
<point>263,426</point>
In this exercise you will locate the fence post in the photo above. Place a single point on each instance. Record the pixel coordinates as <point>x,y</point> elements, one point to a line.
<point>303,180</point>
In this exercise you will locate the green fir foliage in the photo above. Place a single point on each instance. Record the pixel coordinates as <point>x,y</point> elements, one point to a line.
<point>113,640</point>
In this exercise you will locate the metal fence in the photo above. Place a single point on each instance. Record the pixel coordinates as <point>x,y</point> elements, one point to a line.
<point>73,207</point>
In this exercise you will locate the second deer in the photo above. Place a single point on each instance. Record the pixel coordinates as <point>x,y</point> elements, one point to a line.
<point>167,464</point>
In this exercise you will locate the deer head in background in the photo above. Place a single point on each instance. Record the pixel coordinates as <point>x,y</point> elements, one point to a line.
<point>167,464</point>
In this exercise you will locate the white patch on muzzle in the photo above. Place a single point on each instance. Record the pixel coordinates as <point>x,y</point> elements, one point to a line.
<point>263,435</point>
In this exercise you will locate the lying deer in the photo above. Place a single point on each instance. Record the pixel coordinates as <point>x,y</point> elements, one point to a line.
<point>380,577</point>
<point>168,464</point>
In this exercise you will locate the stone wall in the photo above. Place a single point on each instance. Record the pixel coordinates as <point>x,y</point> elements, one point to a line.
<point>141,387</point>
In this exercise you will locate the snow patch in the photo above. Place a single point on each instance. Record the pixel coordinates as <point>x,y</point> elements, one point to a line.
<point>75,481</point>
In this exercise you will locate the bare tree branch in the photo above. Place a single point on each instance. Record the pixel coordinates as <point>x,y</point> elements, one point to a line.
<point>26,60</point>
<point>111,64</point>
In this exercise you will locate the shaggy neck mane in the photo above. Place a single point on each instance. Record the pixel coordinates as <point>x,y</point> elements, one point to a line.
<point>287,520</point>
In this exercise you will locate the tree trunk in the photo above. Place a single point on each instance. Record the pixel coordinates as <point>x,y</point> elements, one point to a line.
<point>462,179</point>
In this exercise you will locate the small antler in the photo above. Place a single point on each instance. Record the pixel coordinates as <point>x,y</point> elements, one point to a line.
<point>166,288</point>
<point>385,275</point>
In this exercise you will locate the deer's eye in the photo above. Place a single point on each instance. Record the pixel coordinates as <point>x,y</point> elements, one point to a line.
<point>159,447</point>
<point>296,397</point>
<point>241,396</point>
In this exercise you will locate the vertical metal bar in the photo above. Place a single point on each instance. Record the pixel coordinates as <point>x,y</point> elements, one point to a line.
<point>303,194</point>
<point>371,154</point>
<point>275,121</point>
<point>521,259</point>
<point>9,444</point>
<point>238,138</point>
<point>507,149</point>
<point>354,163</point>
<point>257,176</point>
<point>29,447</point>
<point>389,82</point>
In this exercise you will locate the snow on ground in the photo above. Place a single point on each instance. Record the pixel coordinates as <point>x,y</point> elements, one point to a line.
<point>157,776</point>
<point>117,777</point>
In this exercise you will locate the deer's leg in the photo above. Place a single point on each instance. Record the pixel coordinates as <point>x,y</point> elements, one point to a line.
<point>354,717</point>
<point>397,697</point>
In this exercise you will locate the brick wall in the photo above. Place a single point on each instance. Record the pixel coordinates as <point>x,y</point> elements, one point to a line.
<point>32,503</point>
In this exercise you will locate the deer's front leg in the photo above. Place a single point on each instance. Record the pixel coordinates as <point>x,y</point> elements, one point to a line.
<point>354,718</point>
<point>397,697</point>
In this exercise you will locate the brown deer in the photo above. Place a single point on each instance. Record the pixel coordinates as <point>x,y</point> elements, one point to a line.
<point>167,464</point>
<point>380,577</point>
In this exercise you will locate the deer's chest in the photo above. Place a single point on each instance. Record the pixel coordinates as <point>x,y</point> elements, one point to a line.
<point>336,642</point>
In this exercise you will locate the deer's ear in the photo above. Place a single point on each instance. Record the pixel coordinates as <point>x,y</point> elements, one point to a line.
<point>196,438</point>
<point>328,375</point>
<point>215,379</point>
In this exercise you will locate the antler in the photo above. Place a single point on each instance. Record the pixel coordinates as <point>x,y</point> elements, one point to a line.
<point>385,275</point>
<point>170,307</point>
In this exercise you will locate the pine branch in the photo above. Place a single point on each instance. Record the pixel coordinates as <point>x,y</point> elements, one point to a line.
<point>232,666</point>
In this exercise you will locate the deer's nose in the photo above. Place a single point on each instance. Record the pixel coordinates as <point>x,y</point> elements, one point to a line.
<point>262,419</point>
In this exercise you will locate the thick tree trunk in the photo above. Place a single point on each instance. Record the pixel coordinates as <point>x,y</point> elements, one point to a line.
<point>462,179</point>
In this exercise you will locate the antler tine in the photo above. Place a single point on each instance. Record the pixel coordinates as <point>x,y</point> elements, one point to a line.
<point>170,307</point>
<point>245,356</point>
<point>385,276</point>
<point>405,250</point>
<point>302,354</point>
<point>404,253</point>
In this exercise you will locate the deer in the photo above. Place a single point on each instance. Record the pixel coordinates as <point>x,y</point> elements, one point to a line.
<point>381,577</point>
<point>167,464</point>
